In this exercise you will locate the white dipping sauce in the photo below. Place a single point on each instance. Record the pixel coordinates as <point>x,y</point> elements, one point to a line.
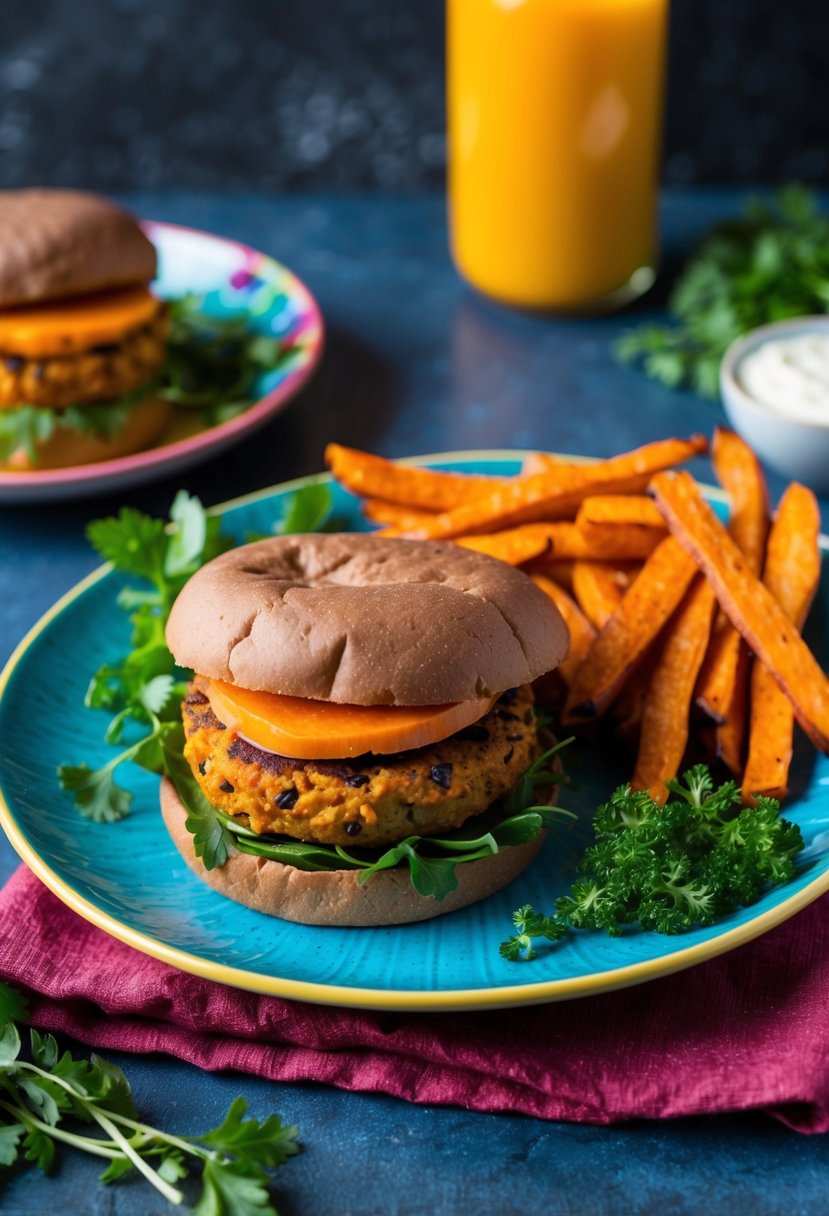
<point>790,376</point>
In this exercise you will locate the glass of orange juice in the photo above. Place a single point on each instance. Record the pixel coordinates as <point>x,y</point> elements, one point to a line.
<point>555,118</point>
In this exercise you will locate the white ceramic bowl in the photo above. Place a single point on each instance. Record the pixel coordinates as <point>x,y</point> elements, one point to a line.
<point>798,450</point>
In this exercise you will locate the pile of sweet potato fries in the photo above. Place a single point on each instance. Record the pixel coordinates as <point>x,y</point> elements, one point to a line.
<point>678,623</point>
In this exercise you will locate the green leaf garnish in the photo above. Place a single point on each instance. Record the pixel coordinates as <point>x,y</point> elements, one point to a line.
<point>772,264</point>
<point>307,510</point>
<point>40,1094</point>
<point>669,868</point>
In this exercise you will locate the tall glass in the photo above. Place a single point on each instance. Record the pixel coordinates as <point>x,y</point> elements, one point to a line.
<point>555,119</point>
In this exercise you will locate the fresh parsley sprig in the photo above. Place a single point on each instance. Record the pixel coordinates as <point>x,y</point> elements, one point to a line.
<point>45,1101</point>
<point>771,264</point>
<point>669,868</point>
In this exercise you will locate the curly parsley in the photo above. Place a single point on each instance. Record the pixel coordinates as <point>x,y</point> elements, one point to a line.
<point>669,868</point>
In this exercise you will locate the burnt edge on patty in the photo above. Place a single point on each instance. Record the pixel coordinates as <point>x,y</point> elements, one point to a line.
<point>98,374</point>
<point>367,800</point>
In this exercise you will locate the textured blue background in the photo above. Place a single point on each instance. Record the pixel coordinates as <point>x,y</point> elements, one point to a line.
<point>330,94</point>
<point>415,363</point>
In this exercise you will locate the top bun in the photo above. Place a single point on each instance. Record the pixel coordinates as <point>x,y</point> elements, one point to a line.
<point>365,620</point>
<point>56,243</point>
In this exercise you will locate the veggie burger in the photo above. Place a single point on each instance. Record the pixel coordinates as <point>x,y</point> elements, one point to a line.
<point>355,697</point>
<point>80,331</point>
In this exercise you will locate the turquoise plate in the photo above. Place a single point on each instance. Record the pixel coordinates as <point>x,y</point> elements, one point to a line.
<point>129,879</point>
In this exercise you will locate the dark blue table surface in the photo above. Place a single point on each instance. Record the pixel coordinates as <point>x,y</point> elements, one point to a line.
<point>415,363</point>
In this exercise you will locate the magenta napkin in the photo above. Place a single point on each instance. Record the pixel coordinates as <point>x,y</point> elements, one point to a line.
<point>749,1030</point>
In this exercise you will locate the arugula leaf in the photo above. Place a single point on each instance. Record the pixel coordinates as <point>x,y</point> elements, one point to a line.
<point>771,264</point>
<point>669,868</point>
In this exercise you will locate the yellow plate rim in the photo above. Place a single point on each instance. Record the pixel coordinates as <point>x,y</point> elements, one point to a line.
<point>400,1000</point>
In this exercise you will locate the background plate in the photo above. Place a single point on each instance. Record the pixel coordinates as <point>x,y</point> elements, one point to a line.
<point>233,278</point>
<point>129,879</point>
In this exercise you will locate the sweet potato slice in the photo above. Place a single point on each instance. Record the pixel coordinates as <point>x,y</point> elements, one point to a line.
<point>623,641</point>
<point>582,632</point>
<point>562,540</point>
<point>513,546</point>
<point>667,707</point>
<point>620,509</point>
<point>723,679</point>
<point>424,489</point>
<point>792,575</point>
<point>599,589</point>
<point>555,496</point>
<point>748,604</point>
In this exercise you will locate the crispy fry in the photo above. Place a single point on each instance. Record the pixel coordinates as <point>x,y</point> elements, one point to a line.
<point>548,462</point>
<point>514,546</point>
<point>749,605</point>
<point>545,496</point>
<point>626,636</point>
<point>792,575</point>
<point>423,489</point>
<point>722,685</point>
<point>582,632</point>
<point>666,711</point>
<point>378,511</point>
<point>599,588</point>
<point>620,509</point>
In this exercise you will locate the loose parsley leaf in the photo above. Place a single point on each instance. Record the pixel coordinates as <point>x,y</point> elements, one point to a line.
<point>12,1005</point>
<point>771,264</point>
<point>669,868</point>
<point>97,794</point>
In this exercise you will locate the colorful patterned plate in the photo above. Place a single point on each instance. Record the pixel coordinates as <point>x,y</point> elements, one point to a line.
<point>232,278</point>
<point>129,879</point>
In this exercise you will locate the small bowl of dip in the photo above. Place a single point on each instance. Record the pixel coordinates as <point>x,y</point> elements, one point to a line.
<point>775,389</point>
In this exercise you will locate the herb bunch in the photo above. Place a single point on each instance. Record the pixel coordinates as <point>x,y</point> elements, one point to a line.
<point>46,1099</point>
<point>668,868</point>
<point>771,264</point>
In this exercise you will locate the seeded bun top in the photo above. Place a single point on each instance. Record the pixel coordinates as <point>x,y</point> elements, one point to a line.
<point>365,620</point>
<point>56,243</point>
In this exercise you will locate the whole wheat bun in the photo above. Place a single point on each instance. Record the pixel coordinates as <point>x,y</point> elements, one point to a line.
<point>336,897</point>
<point>365,620</point>
<point>56,243</point>
<point>66,448</point>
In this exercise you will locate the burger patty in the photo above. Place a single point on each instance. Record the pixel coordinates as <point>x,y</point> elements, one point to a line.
<point>93,375</point>
<point>367,801</point>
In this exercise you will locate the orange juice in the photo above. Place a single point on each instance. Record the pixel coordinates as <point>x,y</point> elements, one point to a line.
<point>555,114</point>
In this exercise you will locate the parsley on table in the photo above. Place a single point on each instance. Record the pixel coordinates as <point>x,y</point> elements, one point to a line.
<point>771,264</point>
<point>669,868</point>
<point>46,1099</point>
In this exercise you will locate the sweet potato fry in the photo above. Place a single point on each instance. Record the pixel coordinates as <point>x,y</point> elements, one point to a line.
<point>722,684</point>
<point>622,642</point>
<point>378,511</point>
<point>423,489</point>
<point>548,462</point>
<point>749,605</point>
<point>513,546</point>
<point>627,710</point>
<point>792,575</point>
<point>620,509</point>
<point>599,588</point>
<point>666,712</point>
<point>582,632</point>
<point>545,496</point>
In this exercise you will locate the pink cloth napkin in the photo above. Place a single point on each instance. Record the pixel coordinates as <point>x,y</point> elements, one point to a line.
<point>749,1030</point>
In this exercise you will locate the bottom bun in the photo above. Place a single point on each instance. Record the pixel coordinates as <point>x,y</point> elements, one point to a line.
<point>66,448</point>
<point>335,897</point>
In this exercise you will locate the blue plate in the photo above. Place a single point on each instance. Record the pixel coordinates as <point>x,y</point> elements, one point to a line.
<point>129,879</point>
